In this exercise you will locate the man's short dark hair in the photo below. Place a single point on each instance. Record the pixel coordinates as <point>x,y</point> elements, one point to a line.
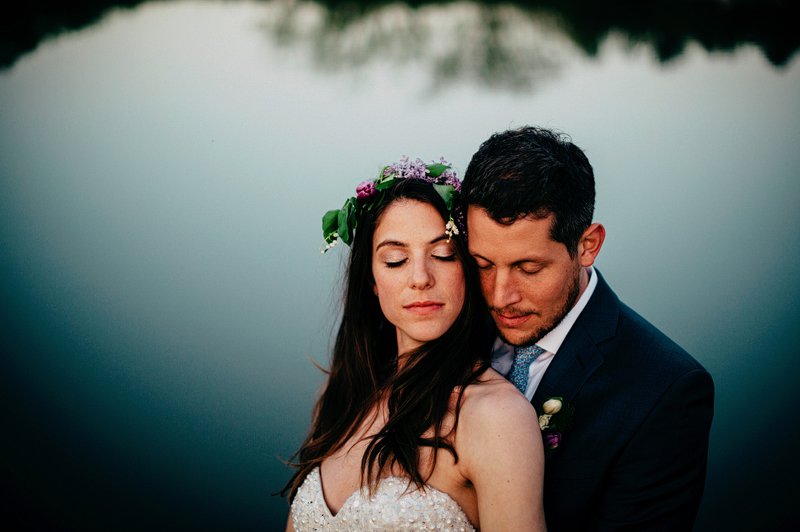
<point>533,171</point>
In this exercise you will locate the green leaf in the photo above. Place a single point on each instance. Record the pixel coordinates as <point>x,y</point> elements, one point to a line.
<point>435,170</point>
<point>447,192</point>
<point>351,206</point>
<point>346,220</point>
<point>343,227</point>
<point>330,222</point>
<point>385,183</point>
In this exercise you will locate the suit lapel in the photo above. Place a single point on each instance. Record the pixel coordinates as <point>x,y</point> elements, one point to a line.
<point>579,356</point>
<point>575,361</point>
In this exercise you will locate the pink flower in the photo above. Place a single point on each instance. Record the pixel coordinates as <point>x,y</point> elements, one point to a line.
<point>552,440</point>
<point>366,190</point>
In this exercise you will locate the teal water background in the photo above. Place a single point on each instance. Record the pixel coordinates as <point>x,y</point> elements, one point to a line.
<point>164,167</point>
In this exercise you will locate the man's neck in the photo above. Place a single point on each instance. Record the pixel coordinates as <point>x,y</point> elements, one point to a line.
<point>583,280</point>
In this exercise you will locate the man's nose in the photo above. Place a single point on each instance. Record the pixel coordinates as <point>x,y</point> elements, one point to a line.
<point>504,292</point>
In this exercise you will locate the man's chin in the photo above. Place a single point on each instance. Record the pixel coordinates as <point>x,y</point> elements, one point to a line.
<point>516,337</point>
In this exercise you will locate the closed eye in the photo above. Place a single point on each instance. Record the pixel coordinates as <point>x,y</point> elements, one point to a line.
<point>446,258</point>
<point>395,264</point>
<point>530,270</point>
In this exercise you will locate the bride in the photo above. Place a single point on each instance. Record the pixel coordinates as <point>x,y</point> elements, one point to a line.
<point>413,429</point>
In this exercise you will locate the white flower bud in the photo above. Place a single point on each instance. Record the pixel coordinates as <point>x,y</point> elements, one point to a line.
<point>551,406</point>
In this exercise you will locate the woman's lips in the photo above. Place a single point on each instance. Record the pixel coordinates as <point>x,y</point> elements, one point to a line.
<point>423,308</point>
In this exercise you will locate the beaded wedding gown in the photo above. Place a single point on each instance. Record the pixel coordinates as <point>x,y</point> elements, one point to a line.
<point>390,508</point>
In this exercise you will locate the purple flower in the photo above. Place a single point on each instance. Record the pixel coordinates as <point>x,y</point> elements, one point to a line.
<point>450,178</point>
<point>407,169</point>
<point>366,190</point>
<point>551,440</point>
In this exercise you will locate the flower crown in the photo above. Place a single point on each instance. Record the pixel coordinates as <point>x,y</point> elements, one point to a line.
<point>339,224</point>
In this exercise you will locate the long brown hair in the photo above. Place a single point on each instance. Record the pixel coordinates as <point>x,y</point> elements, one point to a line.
<point>364,366</point>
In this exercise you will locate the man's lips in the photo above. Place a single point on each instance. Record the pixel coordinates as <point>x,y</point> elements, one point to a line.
<point>424,308</point>
<point>511,320</point>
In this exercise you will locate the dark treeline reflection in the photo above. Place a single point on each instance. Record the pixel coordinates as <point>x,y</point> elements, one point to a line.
<point>666,25</point>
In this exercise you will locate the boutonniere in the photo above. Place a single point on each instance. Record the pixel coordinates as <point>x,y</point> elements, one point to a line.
<point>553,421</point>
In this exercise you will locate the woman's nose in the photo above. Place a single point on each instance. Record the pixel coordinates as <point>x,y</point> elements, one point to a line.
<point>421,276</point>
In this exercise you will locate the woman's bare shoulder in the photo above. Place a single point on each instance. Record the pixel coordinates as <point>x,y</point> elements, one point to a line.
<point>495,419</point>
<point>494,400</point>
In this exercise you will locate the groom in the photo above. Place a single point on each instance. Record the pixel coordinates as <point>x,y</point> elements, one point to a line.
<point>633,454</point>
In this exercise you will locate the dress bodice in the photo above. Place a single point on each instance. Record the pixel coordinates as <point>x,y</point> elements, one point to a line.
<point>392,507</point>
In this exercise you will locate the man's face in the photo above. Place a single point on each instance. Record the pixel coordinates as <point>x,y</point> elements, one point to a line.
<point>529,280</point>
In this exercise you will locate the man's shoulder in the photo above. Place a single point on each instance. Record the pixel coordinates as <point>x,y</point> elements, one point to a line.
<point>640,369</point>
<point>634,341</point>
<point>643,344</point>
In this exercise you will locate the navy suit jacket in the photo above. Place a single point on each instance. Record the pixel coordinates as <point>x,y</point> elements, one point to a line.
<point>635,455</point>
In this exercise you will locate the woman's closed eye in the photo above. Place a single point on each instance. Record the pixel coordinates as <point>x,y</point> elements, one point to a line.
<point>394,258</point>
<point>444,252</point>
<point>394,263</point>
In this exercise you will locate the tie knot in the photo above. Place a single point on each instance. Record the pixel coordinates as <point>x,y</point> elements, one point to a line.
<point>528,352</point>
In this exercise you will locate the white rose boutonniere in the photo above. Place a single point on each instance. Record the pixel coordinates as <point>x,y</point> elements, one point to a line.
<point>552,405</point>
<point>555,418</point>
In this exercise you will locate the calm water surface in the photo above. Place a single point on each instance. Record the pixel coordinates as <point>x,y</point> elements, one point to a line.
<point>162,176</point>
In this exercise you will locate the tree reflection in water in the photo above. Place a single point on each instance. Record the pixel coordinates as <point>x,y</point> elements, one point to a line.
<point>493,46</point>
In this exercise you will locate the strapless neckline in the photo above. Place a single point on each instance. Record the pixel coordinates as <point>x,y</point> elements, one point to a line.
<point>392,479</point>
<point>391,507</point>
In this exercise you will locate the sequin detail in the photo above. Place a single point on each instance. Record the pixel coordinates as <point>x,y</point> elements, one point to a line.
<point>390,508</point>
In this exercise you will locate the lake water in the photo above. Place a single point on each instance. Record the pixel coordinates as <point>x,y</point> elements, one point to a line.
<point>163,171</point>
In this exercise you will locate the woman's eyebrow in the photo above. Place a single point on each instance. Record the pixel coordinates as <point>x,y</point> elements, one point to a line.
<point>397,243</point>
<point>394,243</point>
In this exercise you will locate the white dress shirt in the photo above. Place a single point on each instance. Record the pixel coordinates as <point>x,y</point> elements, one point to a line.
<point>503,353</point>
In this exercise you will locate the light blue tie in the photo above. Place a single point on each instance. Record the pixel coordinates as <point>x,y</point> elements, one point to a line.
<point>523,358</point>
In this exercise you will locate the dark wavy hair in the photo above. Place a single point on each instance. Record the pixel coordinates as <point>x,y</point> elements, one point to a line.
<point>533,171</point>
<point>364,365</point>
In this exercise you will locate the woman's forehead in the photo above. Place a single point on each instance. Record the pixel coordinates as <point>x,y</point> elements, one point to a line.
<point>408,221</point>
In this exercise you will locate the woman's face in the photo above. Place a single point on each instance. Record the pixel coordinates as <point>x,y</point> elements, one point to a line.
<point>419,280</point>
